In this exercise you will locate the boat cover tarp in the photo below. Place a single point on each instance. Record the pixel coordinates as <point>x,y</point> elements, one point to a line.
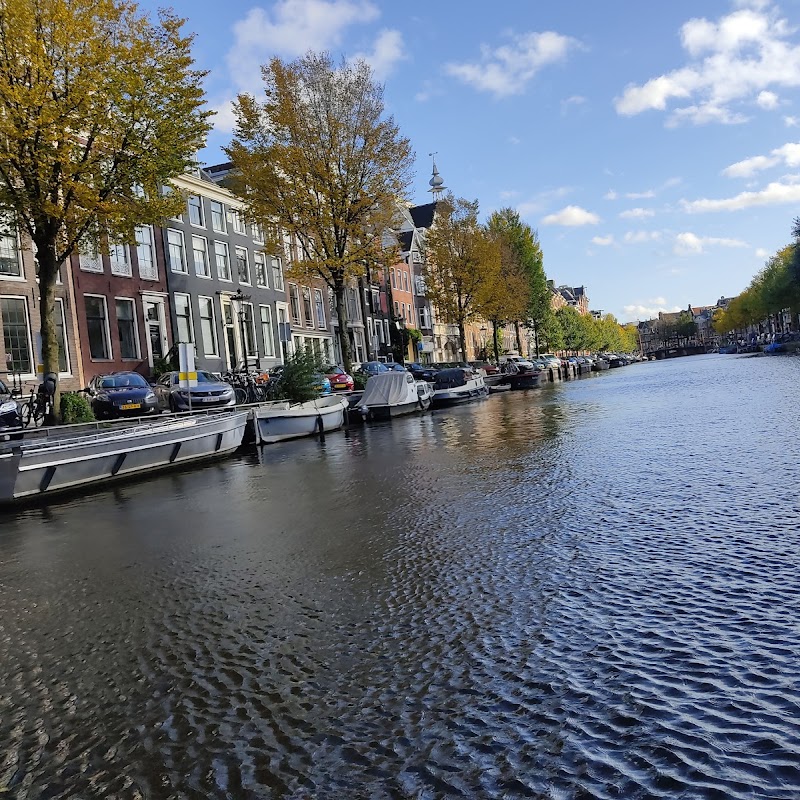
<point>450,378</point>
<point>389,389</point>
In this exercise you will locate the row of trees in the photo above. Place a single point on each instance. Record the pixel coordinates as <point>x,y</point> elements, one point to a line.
<point>775,288</point>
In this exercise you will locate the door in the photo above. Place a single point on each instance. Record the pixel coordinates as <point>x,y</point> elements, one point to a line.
<point>156,330</point>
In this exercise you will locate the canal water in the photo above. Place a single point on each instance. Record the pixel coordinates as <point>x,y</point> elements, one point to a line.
<point>584,591</point>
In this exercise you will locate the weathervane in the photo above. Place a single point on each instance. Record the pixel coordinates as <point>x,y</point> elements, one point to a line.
<point>436,183</point>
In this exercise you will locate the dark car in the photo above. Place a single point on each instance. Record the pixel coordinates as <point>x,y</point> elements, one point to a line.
<point>422,372</point>
<point>371,368</point>
<point>121,394</point>
<point>210,392</point>
<point>393,366</point>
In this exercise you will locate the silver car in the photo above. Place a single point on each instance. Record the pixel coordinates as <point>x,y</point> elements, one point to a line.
<point>210,392</point>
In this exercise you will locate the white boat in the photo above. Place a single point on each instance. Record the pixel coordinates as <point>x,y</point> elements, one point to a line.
<point>275,422</point>
<point>390,394</point>
<point>49,460</point>
<point>458,385</point>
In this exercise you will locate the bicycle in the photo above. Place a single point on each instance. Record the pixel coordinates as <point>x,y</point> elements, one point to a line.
<point>36,408</point>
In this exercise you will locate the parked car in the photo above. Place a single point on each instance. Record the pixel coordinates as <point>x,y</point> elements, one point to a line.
<point>394,366</point>
<point>422,372</point>
<point>121,394</point>
<point>486,366</point>
<point>372,368</point>
<point>551,361</point>
<point>10,417</point>
<point>322,384</point>
<point>210,392</point>
<point>339,379</point>
<point>516,364</point>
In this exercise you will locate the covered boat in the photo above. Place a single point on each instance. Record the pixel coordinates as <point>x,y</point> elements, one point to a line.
<point>275,422</point>
<point>49,460</point>
<point>390,394</point>
<point>457,385</point>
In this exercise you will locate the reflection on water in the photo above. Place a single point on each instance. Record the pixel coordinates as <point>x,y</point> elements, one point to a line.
<point>584,591</point>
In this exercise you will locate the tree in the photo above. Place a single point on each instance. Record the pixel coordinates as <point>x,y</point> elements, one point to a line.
<point>99,108</point>
<point>538,314</point>
<point>461,258</point>
<point>572,328</point>
<point>319,161</point>
<point>503,296</point>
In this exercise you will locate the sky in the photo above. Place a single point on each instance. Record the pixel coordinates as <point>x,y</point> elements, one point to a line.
<point>654,147</point>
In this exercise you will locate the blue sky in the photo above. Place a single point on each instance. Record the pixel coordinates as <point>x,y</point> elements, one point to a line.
<point>655,147</point>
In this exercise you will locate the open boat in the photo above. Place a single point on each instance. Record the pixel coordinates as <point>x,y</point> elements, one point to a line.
<point>390,394</point>
<point>275,422</point>
<point>457,385</point>
<point>49,460</point>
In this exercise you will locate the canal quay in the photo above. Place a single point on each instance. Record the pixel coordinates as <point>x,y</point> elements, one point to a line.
<point>589,590</point>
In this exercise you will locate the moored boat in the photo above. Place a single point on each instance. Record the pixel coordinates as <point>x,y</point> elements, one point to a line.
<point>56,459</point>
<point>275,422</point>
<point>391,394</point>
<point>457,385</point>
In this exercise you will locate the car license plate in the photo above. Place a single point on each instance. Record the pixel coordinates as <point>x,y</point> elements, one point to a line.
<point>339,385</point>
<point>209,399</point>
<point>130,406</point>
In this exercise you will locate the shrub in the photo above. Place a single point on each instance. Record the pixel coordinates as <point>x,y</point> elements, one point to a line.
<point>360,380</point>
<point>299,376</point>
<point>75,408</point>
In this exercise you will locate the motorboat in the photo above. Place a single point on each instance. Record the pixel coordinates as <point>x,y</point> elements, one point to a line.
<point>276,422</point>
<point>391,394</point>
<point>601,364</point>
<point>457,385</point>
<point>48,460</point>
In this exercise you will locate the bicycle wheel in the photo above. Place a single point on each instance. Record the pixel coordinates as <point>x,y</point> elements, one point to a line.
<point>240,395</point>
<point>26,412</point>
<point>39,413</point>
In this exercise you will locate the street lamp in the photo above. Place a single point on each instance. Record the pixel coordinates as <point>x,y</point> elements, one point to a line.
<point>484,354</point>
<point>240,297</point>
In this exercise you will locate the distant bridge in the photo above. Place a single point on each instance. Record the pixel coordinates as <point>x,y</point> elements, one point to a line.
<point>676,352</point>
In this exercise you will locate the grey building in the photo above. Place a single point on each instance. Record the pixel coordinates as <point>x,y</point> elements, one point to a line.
<point>226,294</point>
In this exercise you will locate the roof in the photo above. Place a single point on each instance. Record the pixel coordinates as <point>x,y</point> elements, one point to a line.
<point>405,238</point>
<point>423,215</point>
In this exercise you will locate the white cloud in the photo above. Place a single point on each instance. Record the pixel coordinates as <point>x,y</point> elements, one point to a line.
<point>224,119</point>
<point>637,213</point>
<point>646,195</point>
<point>767,100</point>
<point>774,194</point>
<point>791,122</point>
<point>515,140</point>
<point>762,253</point>
<point>506,70</point>
<point>732,62</point>
<point>603,241</point>
<point>788,155</point>
<point>571,217</point>
<point>508,194</point>
<point>610,195</point>
<point>387,51</point>
<point>642,311</point>
<point>575,100</point>
<point>691,244</point>
<point>639,237</point>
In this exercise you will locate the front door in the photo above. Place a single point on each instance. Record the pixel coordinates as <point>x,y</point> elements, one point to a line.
<point>156,330</point>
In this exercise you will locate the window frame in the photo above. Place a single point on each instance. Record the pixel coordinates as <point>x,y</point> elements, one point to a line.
<point>260,254</point>
<point>151,246</point>
<point>277,272</point>
<point>238,250</point>
<point>136,343</point>
<point>28,333</point>
<point>183,259</point>
<point>267,331</point>
<point>189,317</point>
<point>207,276</point>
<point>319,303</point>
<point>107,328</point>
<point>213,326</point>
<point>202,223</point>
<point>224,228</point>
<point>229,279</point>
<point>12,233</point>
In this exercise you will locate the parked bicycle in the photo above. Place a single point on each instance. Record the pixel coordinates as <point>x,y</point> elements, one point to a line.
<point>248,387</point>
<point>39,406</point>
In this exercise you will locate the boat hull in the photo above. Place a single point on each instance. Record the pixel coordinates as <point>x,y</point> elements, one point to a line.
<point>388,412</point>
<point>451,397</point>
<point>93,459</point>
<point>279,424</point>
<point>530,380</point>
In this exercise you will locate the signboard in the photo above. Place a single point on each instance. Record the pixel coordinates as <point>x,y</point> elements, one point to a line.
<point>187,376</point>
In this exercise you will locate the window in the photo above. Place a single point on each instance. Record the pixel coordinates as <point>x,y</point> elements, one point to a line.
<point>200,254</point>
<point>376,300</point>
<point>242,265</point>
<point>318,302</point>
<point>294,301</point>
<point>126,327</point>
<point>257,233</point>
<point>417,257</point>
<point>120,260</point>
<point>236,221</point>
<point>208,329</point>
<point>277,274</point>
<point>396,308</point>
<point>61,325</point>
<point>146,253</point>
<point>420,284</point>
<point>353,309</point>
<point>16,334</point>
<point>10,262</point>
<point>394,283</point>
<point>89,258</point>
<point>183,318</point>
<point>195,203</point>
<point>266,331</point>
<point>223,261</point>
<point>261,269</point>
<point>308,311</point>
<point>405,282</point>
<point>249,329</point>
<point>97,323</point>
<point>176,251</point>
<point>217,216</point>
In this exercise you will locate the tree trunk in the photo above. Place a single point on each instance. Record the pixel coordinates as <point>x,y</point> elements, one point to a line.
<point>364,313</point>
<point>341,316</point>
<point>519,337</point>
<point>48,272</point>
<point>462,340</point>
<point>494,339</point>
<point>536,337</point>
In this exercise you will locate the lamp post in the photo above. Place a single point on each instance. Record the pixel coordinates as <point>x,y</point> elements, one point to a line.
<point>240,297</point>
<point>484,354</point>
